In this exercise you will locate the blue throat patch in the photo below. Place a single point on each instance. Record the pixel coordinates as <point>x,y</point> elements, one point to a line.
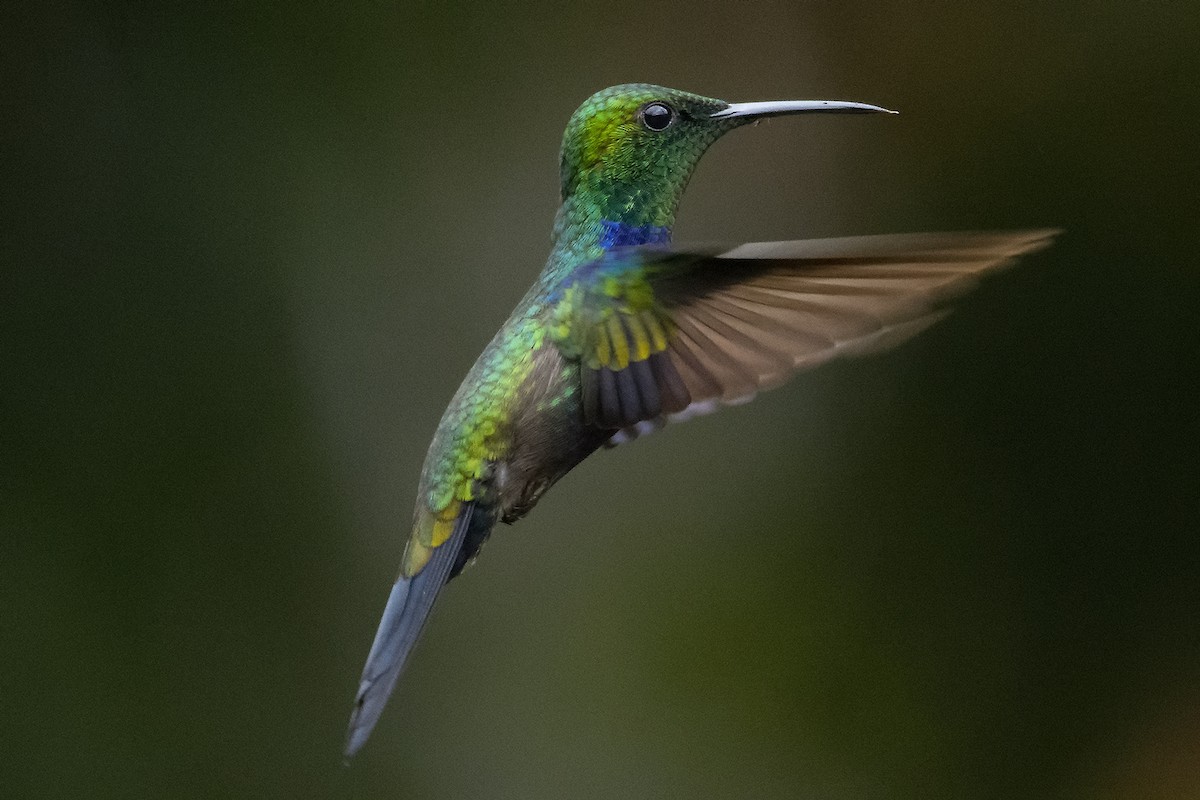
<point>622,234</point>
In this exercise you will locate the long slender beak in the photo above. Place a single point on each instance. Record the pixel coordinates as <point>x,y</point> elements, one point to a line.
<point>776,108</point>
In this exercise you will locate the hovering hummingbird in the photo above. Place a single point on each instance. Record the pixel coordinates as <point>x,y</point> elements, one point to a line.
<point>623,332</point>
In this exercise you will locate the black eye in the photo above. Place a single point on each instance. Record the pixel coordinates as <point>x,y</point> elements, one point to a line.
<point>657,116</point>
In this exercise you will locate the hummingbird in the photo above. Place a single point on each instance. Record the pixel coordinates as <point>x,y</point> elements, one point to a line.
<point>623,332</point>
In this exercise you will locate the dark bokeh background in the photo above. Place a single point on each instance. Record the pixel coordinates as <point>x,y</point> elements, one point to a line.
<point>248,254</point>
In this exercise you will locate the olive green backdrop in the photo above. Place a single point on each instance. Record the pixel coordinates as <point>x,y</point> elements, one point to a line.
<point>248,254</point>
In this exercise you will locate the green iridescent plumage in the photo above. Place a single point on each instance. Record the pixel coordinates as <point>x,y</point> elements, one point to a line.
<point>606,178</point>
<point>613,168</point>
<point>623,332</point>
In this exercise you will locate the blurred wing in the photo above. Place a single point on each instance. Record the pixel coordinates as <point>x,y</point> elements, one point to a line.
<point>663,335</point>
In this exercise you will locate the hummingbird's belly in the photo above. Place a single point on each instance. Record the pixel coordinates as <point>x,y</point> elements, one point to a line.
<point>514,427</point>
<point>547,435</point>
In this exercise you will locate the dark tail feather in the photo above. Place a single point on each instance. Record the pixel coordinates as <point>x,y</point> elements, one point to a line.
<point>408,607</point>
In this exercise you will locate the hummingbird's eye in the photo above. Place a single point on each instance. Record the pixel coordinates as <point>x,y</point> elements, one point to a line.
<point>657,116</point>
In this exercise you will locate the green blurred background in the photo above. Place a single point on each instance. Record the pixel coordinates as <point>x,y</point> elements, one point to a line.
<point>249,253</point>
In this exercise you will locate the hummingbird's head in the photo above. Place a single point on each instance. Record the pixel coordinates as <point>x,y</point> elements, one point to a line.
<point>629,151</point>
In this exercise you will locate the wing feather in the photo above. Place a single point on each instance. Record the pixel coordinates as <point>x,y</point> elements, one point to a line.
<point>668,334</point>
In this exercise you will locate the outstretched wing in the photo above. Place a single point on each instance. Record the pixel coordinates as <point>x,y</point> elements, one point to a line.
<point>661,334</point>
